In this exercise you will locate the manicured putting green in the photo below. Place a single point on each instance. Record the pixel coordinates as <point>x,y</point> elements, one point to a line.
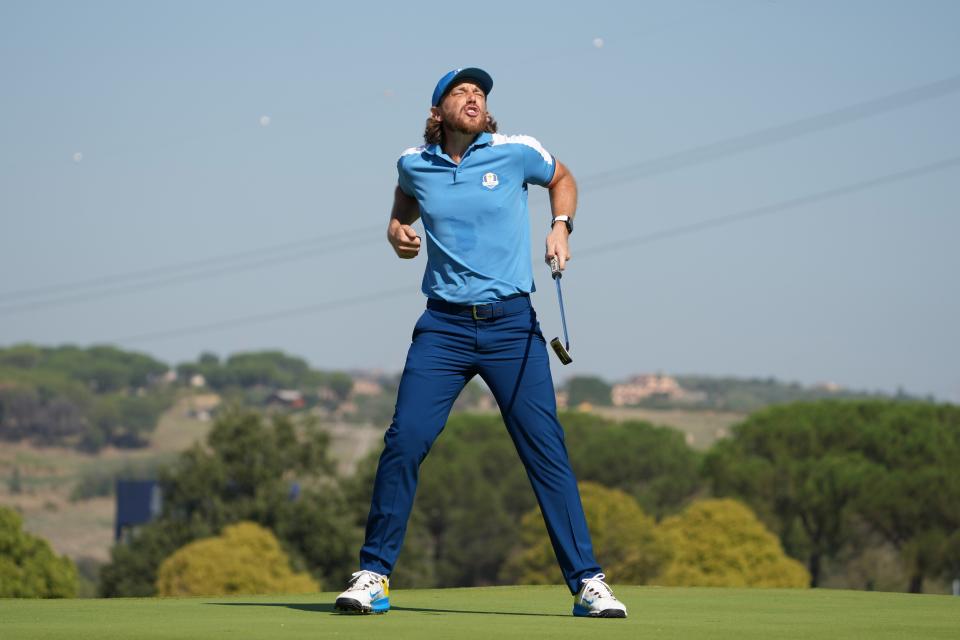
<point>498,613</point>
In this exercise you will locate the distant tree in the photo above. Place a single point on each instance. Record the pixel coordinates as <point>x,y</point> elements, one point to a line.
<point>186,371</point>
<point>653,464</point>
<point>244,472</point>
<point>473,490</point>
<point>28,566</point>
<point>245,558</point>
<point>268,368</point>
<point>912,493</point>
<point>84,398</point>
<point>813,470</point>
<point>207,359</point>
<point>125,420</point>
<point>104,368</point>
<point>466,518</point>
<point>591,389</point>
<point>19,408</point>
<point>625,541</point>
<point>471,495</point>
<point>950,570</point>
<point>751,394</point>
<point>721,543</point>
<point>341,384</point>
<point>132,570</point>
<point>801,467</point>
<point>43,406</point>
<point>21,356</point>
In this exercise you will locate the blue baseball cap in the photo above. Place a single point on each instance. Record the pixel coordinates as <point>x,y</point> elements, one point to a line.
<point>481,77</point>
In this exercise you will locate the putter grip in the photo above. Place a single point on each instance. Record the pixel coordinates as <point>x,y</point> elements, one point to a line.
<point>555,268</point>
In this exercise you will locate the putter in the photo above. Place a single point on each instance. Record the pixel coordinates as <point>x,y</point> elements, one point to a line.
<point>562,350</point>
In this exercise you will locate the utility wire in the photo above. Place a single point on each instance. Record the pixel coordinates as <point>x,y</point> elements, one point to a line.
<point>778,207</point>
<point>596,250</point>
<point>183,278</point>
<point>164,270</point>
<point>663,164</point>
<point>264,317</point>
<point>773,135</point>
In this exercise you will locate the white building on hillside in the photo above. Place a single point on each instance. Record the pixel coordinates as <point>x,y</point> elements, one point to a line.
<point>646,386</point>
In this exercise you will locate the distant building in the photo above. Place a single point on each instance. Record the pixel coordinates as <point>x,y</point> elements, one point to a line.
<point>646,386</point>
<point>288,398</point>
<point>830,387</point>
<point>202,406</point>
<point>345,409</point>
<point>366,387</point>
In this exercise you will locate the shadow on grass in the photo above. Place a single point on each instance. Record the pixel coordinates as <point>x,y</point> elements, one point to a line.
<point>486,613</point>
<point>312,608</point>
<point>328,608</point>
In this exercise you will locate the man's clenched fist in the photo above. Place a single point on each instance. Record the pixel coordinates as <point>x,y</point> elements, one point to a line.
<point>403,239</point>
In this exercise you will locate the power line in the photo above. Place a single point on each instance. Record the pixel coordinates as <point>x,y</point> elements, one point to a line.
<point>595,250</point>
<point>264,317</point>
<point>778,207</point>
<point>654,166</point>
<point>163,270</point>
<point>139,287</point>
<point>772,135</point>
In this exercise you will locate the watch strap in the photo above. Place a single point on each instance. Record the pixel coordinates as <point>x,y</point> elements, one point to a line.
<point>565,220</point>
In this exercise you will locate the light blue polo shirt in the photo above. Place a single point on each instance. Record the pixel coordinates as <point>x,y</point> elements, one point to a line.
<point>475,215</point>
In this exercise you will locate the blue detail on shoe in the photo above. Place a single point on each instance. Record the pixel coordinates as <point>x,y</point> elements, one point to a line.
<point>581,611</point>
<point>381,605</point>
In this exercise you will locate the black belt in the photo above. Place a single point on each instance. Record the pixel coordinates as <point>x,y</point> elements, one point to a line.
<point>482,311</point>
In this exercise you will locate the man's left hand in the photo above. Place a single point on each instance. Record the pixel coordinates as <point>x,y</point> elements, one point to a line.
<point>557,245</point>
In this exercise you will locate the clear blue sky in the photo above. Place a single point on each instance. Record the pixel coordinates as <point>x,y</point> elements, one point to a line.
<point>132,138</point>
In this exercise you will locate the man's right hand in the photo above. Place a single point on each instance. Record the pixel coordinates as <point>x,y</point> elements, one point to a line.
<point>403,239</point>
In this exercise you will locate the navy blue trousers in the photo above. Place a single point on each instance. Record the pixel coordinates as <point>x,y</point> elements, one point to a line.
<point>508,351</point>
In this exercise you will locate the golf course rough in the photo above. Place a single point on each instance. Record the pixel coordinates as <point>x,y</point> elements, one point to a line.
<point>496,612</point>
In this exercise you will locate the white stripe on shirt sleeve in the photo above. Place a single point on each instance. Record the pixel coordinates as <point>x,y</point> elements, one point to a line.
<point>529,141</point>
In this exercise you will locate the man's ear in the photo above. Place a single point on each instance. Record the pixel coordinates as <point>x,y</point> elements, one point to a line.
<point>435,114</point>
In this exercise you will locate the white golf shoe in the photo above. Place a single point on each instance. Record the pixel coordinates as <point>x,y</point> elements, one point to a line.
<point>596,600</point>
<point>367,592</point>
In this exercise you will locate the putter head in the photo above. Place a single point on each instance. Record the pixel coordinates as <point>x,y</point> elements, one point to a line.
<point>561,351</point>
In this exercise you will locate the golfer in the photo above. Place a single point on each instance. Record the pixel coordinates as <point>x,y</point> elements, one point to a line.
<point>469,184</point>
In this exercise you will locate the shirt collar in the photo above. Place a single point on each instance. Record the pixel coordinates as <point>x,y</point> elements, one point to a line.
<point>484,138</point>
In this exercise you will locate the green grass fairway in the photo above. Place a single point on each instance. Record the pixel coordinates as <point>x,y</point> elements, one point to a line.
<point>498,613</point>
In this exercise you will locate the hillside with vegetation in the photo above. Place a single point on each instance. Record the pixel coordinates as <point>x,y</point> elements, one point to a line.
<point>263,438</point>
<point>708,393</point>
<point>80,398</point>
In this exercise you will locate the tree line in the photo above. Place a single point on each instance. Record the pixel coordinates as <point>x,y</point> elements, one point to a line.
<point>834,479</point>
<point>82,398</point>
<point>829,479</point>
<point>89,398</point>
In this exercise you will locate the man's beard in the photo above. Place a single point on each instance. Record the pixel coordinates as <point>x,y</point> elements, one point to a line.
<point>462,124</point>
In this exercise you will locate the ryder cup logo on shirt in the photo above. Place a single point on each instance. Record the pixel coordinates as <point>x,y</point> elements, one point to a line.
<point>490,180</point>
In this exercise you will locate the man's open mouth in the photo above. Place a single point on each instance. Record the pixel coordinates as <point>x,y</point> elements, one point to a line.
<point>471,111</point>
